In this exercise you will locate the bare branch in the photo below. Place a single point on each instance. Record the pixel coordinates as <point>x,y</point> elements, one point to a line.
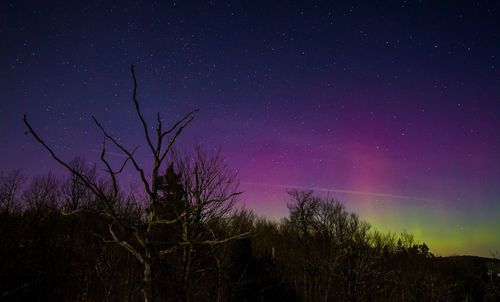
<point>179,122</point>
<point>125,245</point>
<point>128,153</point>
<point>204,242</point>
<point>110,171</point>
<point>139,114</point>
<point>93,187</point>
<point>169,251</point>
<point>139,239</point>
<point>158,124</point>
<point>174,138</point>
<point>165,221</point>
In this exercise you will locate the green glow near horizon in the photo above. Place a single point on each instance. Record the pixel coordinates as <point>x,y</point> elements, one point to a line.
<point>464,228</point>
<point>446,231</point>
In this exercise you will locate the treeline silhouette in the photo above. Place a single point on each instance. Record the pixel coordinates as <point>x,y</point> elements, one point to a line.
<point>56,246</point>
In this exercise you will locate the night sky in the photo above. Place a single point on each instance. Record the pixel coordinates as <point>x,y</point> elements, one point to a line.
<point>391,107</point>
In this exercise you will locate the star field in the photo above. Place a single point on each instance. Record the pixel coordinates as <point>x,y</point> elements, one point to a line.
<point>392,107</point>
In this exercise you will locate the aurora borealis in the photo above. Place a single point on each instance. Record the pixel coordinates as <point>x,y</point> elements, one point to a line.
<point>393,108</point>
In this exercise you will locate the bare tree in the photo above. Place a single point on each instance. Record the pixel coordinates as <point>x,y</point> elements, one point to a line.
<point>334,248</point>
<point>209,191</point>
<point>137,238</point>
<point>105,266</point>
<point>303,211</point>
<point>10,185</point>
<point>76,194</point>
<point>42,195</point>
<point>159,144</point>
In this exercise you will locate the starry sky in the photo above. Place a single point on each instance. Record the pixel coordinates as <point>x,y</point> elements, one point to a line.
<point>393,107</point>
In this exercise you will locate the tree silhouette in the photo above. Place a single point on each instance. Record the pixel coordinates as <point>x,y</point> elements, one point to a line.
<point>137,238</point>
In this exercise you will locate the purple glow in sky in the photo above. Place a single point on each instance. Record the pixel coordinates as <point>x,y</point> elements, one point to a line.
<point>393,108</point>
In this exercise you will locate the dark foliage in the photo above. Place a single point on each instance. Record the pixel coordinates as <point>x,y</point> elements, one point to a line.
<point>319,253</point>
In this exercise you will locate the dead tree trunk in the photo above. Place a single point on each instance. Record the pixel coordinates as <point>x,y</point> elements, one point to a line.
<point>147,290</point>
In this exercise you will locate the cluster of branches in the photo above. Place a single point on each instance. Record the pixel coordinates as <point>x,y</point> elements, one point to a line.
<point>329,254</point>
<point>206,193</point>
<point>320,252</point>
<point>58,234</point>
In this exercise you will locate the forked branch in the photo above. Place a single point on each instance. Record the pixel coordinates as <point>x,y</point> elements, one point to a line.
<point>128,153</point>
<point>89,184</point>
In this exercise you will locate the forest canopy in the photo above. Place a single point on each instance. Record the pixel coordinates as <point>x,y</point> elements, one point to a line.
<point>57,247</point>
